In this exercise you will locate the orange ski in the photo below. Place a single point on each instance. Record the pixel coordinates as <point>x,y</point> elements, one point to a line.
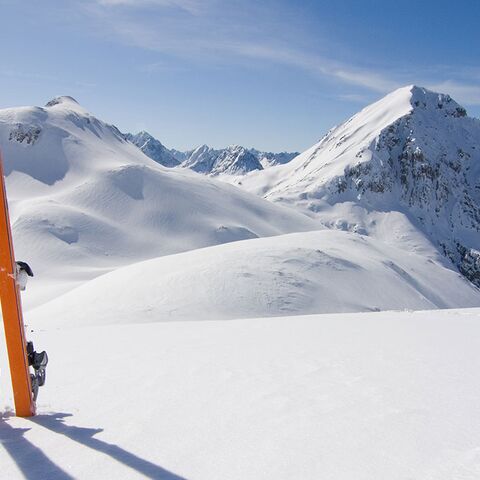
<point>12,313</point>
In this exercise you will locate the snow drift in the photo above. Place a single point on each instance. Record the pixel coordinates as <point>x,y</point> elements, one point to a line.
<point>311,272</point>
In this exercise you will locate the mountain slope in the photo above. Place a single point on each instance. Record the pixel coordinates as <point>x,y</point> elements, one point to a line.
<point>300,273</point>
<point>415,152</point>
<point>84,201</point>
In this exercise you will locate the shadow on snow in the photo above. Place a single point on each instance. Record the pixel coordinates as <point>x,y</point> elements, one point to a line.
<point>34,464</point>
<point>31,461</point>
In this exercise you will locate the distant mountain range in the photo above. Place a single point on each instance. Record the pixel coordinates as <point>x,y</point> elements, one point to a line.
<point>154,149</point>
<point>232,160</point>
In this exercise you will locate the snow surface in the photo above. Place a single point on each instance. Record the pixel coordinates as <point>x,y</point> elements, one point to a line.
<point>300,273</point>
<point>390,395</point>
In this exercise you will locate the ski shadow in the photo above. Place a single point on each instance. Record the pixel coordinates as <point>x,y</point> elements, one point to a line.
<point>30,460</point>
<point>86,436</point>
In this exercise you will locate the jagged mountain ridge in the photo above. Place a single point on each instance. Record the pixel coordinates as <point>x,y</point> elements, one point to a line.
<point>414,152</point>
<point>232,160</point>
<point>153,148</point>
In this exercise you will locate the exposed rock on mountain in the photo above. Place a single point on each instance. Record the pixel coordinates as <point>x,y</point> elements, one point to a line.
<point>233,160</point>
<point>414,152</point>
<point>153,148</point>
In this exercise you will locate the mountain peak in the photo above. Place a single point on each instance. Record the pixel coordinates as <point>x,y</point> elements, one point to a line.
<point>62,100</point>
<point>143,133</point>
<point>427,99</point>
<point>420,98</point>
<point>235,148</point>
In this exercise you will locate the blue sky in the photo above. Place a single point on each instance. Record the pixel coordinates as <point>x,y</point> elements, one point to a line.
<point>270,74</point>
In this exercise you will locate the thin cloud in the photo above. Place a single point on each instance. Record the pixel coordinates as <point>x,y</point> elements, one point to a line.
<point>156,67</point>
<point>26,75</point>
<point>192,6</point>
<point>220,46</point>
<point>319,65</point>
<point>226,37</point>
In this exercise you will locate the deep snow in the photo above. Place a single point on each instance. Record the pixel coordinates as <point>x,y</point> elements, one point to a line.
<point>390,395</point>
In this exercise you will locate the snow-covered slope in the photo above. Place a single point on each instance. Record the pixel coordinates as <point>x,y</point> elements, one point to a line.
<point>390,395</point>
<point>300,273</point>
<point>153,148</point>
<point>414,154</point>
<point>84,201</point>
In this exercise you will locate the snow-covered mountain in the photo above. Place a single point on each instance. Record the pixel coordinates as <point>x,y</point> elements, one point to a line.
<point>413,157</point>
<point>153,148</point>
<point>232,160</point>
<point>84,201</point>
